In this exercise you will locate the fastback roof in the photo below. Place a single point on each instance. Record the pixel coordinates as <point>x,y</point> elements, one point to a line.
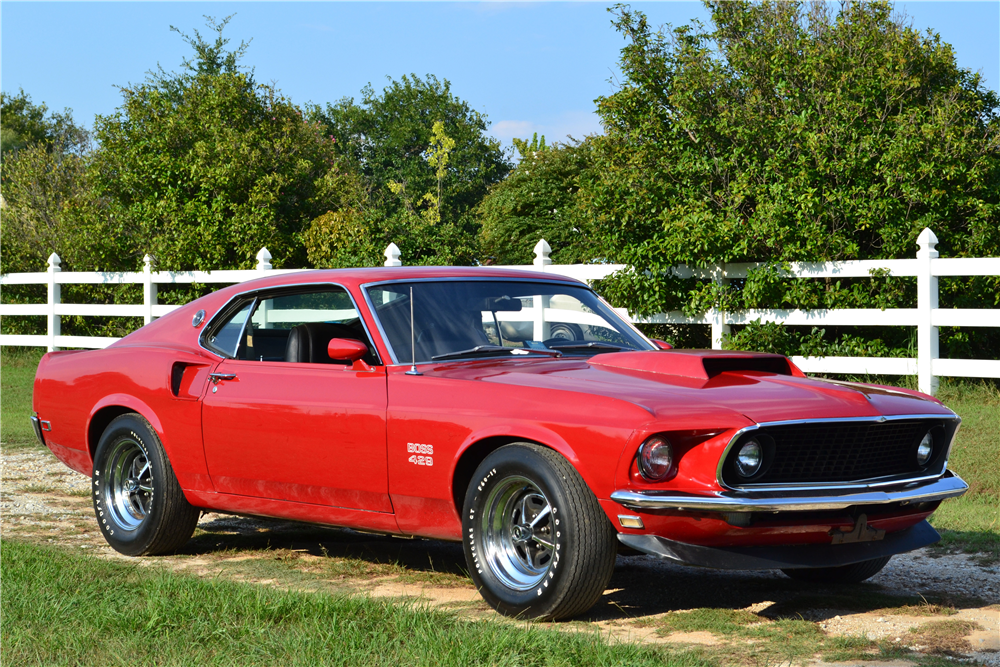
<point>355,277</point>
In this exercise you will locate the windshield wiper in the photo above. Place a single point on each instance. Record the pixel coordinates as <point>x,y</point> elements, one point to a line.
<point>595,346</point>
<point>488,350</point>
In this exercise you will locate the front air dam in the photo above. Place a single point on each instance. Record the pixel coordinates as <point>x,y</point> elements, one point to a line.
<point>783,557</point>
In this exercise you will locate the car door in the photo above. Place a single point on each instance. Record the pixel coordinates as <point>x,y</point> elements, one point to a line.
<point>282,420</point>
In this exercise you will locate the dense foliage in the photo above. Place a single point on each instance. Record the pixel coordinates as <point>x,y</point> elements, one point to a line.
<point>44,183</point>
<point>392,139</point>
<point>783,131</point>
<point>24,123</point>
<point>540,199</point>
<point>790,132</point>
<point>205,167</point>
<point>50,206</point>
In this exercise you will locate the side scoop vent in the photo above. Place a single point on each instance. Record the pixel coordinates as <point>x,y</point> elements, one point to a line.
<point>700,364</point>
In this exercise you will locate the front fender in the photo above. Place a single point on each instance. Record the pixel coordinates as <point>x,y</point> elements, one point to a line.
<point>529,432</point>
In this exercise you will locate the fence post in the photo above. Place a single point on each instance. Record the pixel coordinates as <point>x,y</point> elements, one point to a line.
<point>149,291</point>
<point>927,301</point>
<point>719,326</point>
<point>541,330</point>
<point>263,260</point>
<point>54,298</point>
<point>542,252</point>
<point>392,255</point>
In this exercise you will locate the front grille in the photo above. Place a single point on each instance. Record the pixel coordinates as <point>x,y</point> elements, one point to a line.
<point>830,452</point>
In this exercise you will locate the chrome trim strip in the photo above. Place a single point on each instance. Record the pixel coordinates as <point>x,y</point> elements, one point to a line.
<point>572,282</point>
<point>559,280</point>
<point>948,486</point>
<point>258,291</point>
<point>629,323</point>
<point>832,485</point>
<point>378,322</point>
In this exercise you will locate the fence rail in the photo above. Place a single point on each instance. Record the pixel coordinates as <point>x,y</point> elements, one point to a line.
<point>927,267</point>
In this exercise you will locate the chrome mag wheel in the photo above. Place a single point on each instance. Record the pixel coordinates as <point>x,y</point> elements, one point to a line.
<point>128,484</point>
<point>537,543</point>
<point>517,529</point>
<point>140,507</point>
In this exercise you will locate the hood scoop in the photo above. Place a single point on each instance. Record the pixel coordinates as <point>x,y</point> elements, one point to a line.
<point>698,364</point>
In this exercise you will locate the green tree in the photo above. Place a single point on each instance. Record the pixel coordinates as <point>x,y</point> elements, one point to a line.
<point>44,210</point>
<point>540,199</point>
<point>390,138</point>
<point>790,132</point>
<point>437,155</point>
<point>24,123</point>
<point>44,184</point>
<point>206,166</point>
<point>49,206</point>
<point>524,147</point>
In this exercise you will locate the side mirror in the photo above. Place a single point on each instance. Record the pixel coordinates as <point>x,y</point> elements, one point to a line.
<point>346,349</point>
<point>662,344</point>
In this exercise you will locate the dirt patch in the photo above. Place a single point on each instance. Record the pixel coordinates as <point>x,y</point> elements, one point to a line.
<point>920,604</point>
<point>945,637</point>
<point>701,638</point>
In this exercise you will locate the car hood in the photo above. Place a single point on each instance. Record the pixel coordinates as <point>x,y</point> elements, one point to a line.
<point>672,384</point>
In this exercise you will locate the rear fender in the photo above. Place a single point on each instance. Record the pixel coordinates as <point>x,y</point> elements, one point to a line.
<point>133,404</point>
<point>186,458</point>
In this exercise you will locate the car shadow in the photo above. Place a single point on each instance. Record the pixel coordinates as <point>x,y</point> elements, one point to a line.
<point>239,536</point>
<point>641,586</point>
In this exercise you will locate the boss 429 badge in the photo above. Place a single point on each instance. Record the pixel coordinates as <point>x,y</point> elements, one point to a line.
<point>420,454</point>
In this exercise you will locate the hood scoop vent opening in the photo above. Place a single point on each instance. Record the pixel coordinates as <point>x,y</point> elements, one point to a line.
<point>699,364</point>
<point>769,364</point>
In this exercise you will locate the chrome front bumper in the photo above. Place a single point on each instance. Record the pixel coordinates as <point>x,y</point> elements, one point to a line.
<point>949,485</point>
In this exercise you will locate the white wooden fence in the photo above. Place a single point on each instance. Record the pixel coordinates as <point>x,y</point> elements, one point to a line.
<point>926,316</point>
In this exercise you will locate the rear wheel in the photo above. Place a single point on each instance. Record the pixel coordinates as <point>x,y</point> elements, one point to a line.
<point>139,504</point>
<point>537,543</point>
<point>845,574</point>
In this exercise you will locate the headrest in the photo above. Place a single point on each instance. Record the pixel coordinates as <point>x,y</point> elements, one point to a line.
<point>307,342</point>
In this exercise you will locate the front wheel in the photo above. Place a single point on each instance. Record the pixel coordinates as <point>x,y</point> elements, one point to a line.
<point>139,504</point>
<point>845,574</point>
<point>537,543</point>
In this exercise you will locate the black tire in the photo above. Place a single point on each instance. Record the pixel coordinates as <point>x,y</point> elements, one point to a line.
<point>537,543</point>
<point>845,574</point>
<point>139,504</point>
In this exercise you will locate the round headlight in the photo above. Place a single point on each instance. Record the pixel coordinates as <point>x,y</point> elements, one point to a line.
<point>749,458</point>
<point>925,449</point>
<point>656,459</point>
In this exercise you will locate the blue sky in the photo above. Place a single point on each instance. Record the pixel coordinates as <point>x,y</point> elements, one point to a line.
<point>531,67</point>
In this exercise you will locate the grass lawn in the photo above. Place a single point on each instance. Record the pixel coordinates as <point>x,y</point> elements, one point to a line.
<point>972,523</point>
<point>17,373</point>
<point>62,608</point>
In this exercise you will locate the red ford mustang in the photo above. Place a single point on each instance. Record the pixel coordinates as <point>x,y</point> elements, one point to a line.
<point>513,411</point>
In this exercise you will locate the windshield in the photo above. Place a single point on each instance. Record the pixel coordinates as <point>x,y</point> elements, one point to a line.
<point>476,318</point>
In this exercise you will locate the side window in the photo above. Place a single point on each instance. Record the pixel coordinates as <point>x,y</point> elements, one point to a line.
<point>227,338</point>
<point>283,312</point>
<point>296,327</point>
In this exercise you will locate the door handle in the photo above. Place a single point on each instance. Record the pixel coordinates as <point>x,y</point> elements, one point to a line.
<point>218,377</point>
